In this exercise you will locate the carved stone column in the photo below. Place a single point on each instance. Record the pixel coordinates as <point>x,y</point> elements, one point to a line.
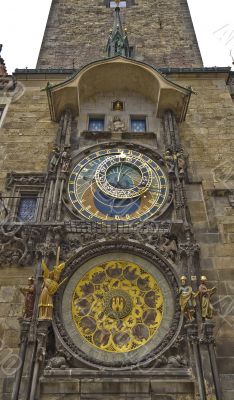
<point>189,253</point>
<point>42,334</point>
<point>193,338</point>
<point>209,341</point>
<point>24,331</point>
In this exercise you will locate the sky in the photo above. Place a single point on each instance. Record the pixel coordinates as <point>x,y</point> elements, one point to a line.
<point>23,22</point>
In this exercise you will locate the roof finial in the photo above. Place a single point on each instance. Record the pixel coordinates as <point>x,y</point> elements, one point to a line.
<point>117,44</point>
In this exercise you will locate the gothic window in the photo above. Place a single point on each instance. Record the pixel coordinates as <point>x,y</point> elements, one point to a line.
<point>96,124</point>
<point>26,193</point>
<point>138,124</point>
<point>27,208</point>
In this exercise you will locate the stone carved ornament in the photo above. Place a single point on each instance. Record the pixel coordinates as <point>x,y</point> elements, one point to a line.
<point>17,244</point>
<point>117,125</point>
<point>14,178</point>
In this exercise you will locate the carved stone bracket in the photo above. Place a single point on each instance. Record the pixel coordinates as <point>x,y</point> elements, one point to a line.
<point>208,333</point>
<point>18,243</point>
<point>192,332</point>
<point>188,249</point>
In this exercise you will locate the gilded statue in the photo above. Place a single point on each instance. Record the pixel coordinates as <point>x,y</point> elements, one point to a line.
<point>205,299</point>
<point>29,298</point>
<point>49,288</point>
<point>187,299</point>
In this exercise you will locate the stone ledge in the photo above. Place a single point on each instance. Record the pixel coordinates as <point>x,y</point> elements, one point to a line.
<point>166,373</point>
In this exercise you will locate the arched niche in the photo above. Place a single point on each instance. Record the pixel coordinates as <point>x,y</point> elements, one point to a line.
<point>126,75</point>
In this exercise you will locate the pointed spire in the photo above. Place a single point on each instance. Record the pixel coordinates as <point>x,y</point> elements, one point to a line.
<point>117,44</point>
<point>3,71</point>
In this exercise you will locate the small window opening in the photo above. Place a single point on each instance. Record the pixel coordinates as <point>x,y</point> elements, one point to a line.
<point>27,208</point>
<point>138,124</point>
<point>96,124</point>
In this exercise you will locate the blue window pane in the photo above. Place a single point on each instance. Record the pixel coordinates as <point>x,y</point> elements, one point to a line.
<point>96,124</point>
<point>27,208</point>
<point>138,125</point>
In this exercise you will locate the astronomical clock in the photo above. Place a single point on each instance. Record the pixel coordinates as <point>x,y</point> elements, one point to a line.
<point>117,306</point>
<point>118,184</point>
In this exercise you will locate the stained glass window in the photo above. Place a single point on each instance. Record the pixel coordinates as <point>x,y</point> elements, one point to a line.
<point>96,124</point>
<point>138,124</point>
<point>27,208</point>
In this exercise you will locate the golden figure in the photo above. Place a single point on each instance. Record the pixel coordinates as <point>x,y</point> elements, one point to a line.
<point>118,106</point>
<point>49,288</point>
<point>187,299</point>
<point>205,295</point>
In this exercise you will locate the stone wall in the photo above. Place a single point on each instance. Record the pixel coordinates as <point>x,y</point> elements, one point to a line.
<point>27,136</point>
<point>27,133</point>
<point>161,31</point>
<point>11,308</point>
<point>208,137</point>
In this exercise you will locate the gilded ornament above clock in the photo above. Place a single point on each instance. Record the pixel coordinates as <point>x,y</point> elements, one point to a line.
<point>118,185</point>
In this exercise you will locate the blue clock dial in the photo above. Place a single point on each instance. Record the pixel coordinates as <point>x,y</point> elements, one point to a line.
<point>118,184</point>
<point>115,207</point>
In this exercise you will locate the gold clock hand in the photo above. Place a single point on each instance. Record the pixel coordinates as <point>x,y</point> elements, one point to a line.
<point>119,173</point>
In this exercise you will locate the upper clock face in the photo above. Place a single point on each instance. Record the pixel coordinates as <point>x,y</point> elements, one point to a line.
<point>118,184</point>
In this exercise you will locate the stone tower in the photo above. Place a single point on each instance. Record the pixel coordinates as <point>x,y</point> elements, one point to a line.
<point>161,33</point>
<point>116,206</point>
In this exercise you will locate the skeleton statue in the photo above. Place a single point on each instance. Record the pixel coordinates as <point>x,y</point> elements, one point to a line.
<point>181,163</point>
<point>170,161</point>
<point>54,159</point>
<point>65,161</point>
